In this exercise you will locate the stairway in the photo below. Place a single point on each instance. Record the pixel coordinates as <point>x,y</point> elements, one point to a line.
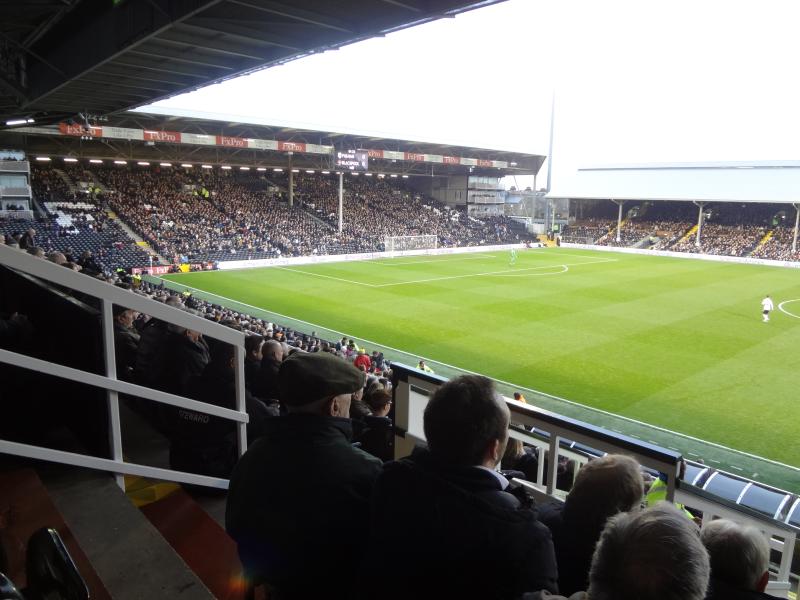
<point>547,242</point>
<point>612,233</point>
<point>117,550</point>
<point>157,258</point>
<point>96,183</point>
<point>156,540</point>
<point>73,189</point>
<point>688,234</point>
<point>763,241</point>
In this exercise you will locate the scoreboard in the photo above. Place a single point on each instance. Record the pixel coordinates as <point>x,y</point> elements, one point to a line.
<point>351,160</point>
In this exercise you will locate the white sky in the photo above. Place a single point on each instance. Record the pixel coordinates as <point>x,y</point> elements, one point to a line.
<point>635,81</point>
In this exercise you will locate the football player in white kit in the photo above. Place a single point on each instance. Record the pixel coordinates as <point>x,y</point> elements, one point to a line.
<point>766,308</point>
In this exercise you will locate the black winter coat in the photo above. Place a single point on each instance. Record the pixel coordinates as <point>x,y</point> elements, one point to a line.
<point>574,539</point>
<point>452,532</point>
<point>204,444</point>
<point>265,385</point>
<point>298,506</point>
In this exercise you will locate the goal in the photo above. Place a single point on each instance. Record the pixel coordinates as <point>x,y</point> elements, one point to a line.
<point>398,243</point>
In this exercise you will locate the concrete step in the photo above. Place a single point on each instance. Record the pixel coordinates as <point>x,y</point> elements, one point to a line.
<point>129,554</point>
<point>137,238</point>
<point>26,507</point>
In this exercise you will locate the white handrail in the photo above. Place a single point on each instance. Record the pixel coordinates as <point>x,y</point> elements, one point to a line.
<point>781,537</point>
<point>110,295</point>
<point>119,386</point>
<point>104,464</point>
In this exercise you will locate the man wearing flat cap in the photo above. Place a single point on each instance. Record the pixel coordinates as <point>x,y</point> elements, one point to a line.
<point>298,503</point>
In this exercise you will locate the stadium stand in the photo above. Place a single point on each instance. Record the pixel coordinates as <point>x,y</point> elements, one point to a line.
<point>211,216</point>
<point>739,230</point>
<point>87,383</point>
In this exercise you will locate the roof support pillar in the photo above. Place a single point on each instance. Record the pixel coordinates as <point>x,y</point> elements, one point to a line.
<point>619,203</point>
<point>341,196</point>
<point>291,182</point>
<point>700,213</point>
<point>796,224</point>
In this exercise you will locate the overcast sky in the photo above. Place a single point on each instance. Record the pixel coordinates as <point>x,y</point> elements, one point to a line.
<point>635,81</point>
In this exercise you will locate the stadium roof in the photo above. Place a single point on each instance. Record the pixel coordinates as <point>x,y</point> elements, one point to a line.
<point>153,137</point>
<point>765,181</point>
<point>59,58</point>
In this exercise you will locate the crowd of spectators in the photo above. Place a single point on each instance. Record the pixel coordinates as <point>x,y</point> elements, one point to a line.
<point>211,216</point>
<point>778,246</point>
<point>728,229</point>
<point>723,240</point>
<point>373,209</point>
<point>48,185</point>
<point>72,225</point>
<point>647,233</point>
<point>588,231</point>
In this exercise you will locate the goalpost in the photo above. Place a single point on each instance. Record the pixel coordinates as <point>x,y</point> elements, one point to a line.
<point>398,243</point>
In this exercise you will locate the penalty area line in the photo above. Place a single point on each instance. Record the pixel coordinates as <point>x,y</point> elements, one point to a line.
<point>564,269</point>
<point>494,273</point>
<point>421,262</point>
<point>343,280</point>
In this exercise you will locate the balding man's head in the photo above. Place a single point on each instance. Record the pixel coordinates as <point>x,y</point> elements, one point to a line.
<point>272,350</point>
<point>57,257</point>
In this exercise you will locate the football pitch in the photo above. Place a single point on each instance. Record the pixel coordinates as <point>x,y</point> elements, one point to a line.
<point>671,342</point>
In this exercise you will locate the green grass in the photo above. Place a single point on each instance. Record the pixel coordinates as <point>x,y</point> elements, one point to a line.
<point>672,342</point>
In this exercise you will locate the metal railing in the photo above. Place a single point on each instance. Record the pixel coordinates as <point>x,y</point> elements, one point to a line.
<point>413,387</point>
<point>15,166</point>
<point>548,431</point>
<point>15,191</point>
<point>110,295</point>
<point>782,537</point>
<point>22,215</point>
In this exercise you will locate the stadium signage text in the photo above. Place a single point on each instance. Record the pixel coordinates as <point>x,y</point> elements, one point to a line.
<point>352,160</point>
<point>172,137</point>
<point>295,147</point>
<point>177,137</point>
<point>234,142</point>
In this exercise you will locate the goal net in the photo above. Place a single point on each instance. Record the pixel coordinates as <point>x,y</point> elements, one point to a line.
<point>398,243</point>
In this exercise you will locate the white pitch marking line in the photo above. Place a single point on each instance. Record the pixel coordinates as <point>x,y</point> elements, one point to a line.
<point>420,262</point>
<point>490,273</point>
<point>786,312</point>
<point>557,253</point>
<point>326,276</point>
<point>564,269</point>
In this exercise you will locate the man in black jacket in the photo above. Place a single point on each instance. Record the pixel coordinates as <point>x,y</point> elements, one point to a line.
<point>447,520</point>
<point>266,382</point>
<point>204,444</point>
<point>126,341</point>
<point>299,498</point>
